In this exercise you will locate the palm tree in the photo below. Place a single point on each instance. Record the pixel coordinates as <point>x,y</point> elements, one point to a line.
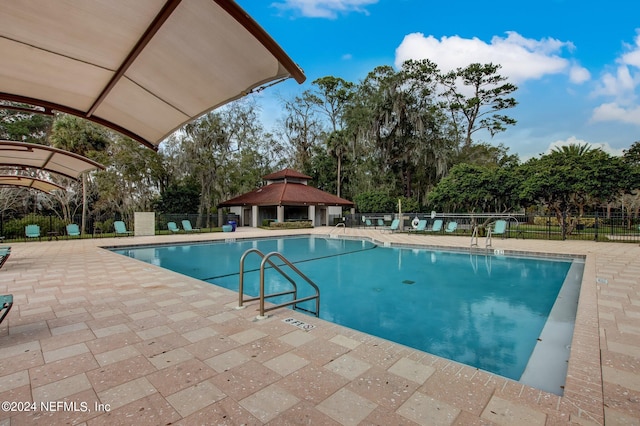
<point>573,149</point>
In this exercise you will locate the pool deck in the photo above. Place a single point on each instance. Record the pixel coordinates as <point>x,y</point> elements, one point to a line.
<point>99,338</point>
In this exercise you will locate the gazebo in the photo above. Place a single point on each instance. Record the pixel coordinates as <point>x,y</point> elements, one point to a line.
<point>286,196</point>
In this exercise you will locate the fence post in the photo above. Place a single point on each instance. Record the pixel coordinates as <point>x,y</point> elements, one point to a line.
<point>595,238</point>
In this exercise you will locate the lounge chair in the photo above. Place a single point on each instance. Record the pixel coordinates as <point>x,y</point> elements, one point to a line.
<point>32,231</point>
<point>499,228</point>
<point>451,227</point>
<point>381,223</point>
<point>73,230</point>
<point>5,252</point>
<point>393,227</point>
<point>6,302</point>
<point>436,227</point>
<point>121,228</point>
<point>186,225</point>
<point>173,227</point>
<point>421,227</point>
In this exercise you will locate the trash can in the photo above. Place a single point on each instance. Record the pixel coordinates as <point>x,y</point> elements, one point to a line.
<point>233,225</point>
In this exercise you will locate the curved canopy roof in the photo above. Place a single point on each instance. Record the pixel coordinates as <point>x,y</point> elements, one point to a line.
<point>45,158</point>
<point>143,68</point>
<point>29,182</point>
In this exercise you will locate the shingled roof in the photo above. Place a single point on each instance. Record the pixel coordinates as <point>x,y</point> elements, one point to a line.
<point>283,192</point>
<point>286,173</point>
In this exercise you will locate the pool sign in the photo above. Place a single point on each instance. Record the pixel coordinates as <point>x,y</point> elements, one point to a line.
<point>300,324</point>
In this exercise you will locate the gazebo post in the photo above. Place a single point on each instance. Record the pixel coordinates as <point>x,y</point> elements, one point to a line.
<point>312,215</point>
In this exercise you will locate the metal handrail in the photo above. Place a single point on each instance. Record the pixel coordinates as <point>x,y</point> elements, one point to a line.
<point>338,225</point>
<point>296,300</point>
<point>266,260</point>
<point>474,236</point>
<point>241,299</point>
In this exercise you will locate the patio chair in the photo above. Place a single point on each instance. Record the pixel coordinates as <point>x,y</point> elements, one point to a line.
<point>6,301</point>
<point>173,227</point>
<point>451,227</point>
<point>421,227</point>
<point>5,252</point>
<point>32,231</point>
<point>73,230</point>
<point>186,225</point>
<point>121,228</point>
<point>393,227</point>
<point>499,228</point>
<point>436,227</point>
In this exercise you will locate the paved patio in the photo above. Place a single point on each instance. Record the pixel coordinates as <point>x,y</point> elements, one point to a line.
<point>103,339</point>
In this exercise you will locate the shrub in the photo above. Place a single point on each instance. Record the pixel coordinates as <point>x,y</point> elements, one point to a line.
<point>291,225</point>
<point>588,222</point>
<point>14,229</point>
<point>267,222</point>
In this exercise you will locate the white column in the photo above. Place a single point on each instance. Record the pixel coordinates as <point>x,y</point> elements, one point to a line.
<point>254,216</point>
<point>312,215</point>
<point>280,213</point>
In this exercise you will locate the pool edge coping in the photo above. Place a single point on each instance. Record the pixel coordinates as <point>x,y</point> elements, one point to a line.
<point>584,384</point>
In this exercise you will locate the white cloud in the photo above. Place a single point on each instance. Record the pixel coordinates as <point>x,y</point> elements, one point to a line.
<point>323,8</point>
<point>521,58</point>
<point>622,88</point>
<point>633,56</point>
<point>347,57</point>
<point>578,74</point>
<point>575,141</point>
<point>616,112</point>
<point>620,85</point>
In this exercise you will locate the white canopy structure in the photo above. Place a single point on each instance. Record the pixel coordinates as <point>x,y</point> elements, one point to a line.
<point>29,182</point>
<point>142,68</point>
<point>21,155</point>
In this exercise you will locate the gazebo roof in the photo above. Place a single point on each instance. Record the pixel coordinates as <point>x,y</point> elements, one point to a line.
<point>287,193</point>
<point>286,173</point>
<point>143,68</point>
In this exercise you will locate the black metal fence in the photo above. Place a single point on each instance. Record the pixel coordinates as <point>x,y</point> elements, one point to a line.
<point>595,227</point>
<point>51,226</point>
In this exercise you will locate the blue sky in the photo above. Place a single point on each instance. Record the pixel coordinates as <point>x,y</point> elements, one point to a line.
<point>576,62</point>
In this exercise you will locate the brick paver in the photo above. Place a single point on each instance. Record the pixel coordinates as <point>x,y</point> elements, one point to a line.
<point>104,339</point>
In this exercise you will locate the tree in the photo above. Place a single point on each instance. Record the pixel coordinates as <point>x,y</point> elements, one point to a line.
<point>17,125</point>
<point>226,152</point>
<point>375,202</point>
<point>179,198</point>
<point>83,138</point>
<point>480,110</point>
<point>568,180</point>
<point>332,97</point>
<point>301,130</point>
<point>131,179</point>
<point>631,200</point>
<point>466,188</point>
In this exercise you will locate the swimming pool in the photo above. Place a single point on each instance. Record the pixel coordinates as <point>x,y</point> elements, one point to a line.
<point>482,310</point>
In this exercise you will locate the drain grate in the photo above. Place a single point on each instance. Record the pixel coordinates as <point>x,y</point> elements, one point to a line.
<point>409,282</point>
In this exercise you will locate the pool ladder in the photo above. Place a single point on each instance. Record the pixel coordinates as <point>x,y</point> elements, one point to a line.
<point>266,259</point>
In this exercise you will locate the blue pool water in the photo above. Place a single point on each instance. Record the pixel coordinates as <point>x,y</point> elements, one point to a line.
<point>482,310</point>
